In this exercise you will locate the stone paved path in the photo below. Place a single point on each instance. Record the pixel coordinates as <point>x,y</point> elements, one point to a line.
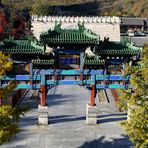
<point>67,128</point>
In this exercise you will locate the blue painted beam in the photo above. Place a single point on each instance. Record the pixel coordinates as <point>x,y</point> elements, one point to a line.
<point>112,77</point>
<point>21,77</point>
<point>27,86</point>
<point>19,86</point>
<point>98,86</point>
<point>17,77</point>
<point>24,86</point>
<point>68,82</point>
<point>71,82</point>
<point>69,72</point>
<point>110,86</point>
<point>38,77</point>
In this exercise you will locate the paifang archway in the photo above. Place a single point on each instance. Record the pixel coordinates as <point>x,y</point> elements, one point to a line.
<point>68,58</point>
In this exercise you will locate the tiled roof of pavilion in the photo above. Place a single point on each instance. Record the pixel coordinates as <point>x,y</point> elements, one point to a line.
<point>108,48</point>
<point>11,46</point>
<point>59,36</point>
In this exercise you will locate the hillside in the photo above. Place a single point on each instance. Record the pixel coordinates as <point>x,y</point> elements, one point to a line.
<point>84,7</point>
<point>128,8</point>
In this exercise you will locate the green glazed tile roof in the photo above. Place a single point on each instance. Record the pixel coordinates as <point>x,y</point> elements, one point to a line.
<point>42,62</point>
<point>116,48</point>
<point>21,47</point>
<point>72,36</point>
<point>125,51</point>
<point>94,62</point>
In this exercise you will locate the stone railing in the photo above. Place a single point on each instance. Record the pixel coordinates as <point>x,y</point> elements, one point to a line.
<point>69,19</point>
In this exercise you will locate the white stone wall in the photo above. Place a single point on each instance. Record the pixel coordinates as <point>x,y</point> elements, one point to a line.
<point>103,26</point>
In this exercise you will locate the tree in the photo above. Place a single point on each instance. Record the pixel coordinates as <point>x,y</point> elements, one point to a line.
<point>43,8</point>
<point>8,127</point>
<point>135,100</point>
<point>5,66</point>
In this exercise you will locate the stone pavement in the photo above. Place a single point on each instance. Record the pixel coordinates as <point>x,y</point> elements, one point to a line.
<point>67,128</point>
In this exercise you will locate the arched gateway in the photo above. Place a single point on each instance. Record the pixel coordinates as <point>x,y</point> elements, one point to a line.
<point>37,68</point>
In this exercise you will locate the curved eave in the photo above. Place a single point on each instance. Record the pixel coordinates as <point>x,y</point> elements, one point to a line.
<point>70,37</point>
<point>67,41</point>
<point>118,52</point>
<point>22,51</point>
<point>21,47</point>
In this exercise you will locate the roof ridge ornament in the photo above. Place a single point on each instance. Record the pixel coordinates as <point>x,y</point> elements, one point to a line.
<point>57,26</point>
<point>81,27</point>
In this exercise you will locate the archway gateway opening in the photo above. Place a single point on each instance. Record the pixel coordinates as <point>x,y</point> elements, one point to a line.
<point>96,79</point>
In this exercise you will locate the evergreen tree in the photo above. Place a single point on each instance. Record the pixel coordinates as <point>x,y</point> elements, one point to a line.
<point>136,102</point>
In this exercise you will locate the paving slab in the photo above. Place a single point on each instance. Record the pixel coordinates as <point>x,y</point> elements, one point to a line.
<point>67,128</point>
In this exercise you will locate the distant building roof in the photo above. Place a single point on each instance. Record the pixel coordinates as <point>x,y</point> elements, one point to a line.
<point>134,21</point>
<point>138,41</point>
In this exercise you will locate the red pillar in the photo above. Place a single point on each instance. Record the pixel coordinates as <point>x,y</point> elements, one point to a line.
<point>43,95</point>
<point>81,77</point>
<point>87,77</point>
<point>31,82</point>
<point>55,77</point>
<point>124,82</point>
<point>92,96</point>
<point>49,78</point>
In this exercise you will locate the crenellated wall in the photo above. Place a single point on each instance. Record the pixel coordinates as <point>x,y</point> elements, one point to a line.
<point>103,26</point>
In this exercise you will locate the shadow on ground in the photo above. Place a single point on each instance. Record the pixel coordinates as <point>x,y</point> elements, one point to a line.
<point>65,118</point>
<point>111,118</point>
<point>100,119</point>
<point>58,99</point>
<point>101,142</point>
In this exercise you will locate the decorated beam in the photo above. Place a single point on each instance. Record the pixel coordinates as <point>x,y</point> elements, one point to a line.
<point>112,77</point>
<point>24,81</point>
<point>38,77</point>
<point>98,86</point>
<point>69,72</point>
<point>110,86</point>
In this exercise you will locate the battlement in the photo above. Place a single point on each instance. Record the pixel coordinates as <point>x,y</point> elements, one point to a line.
<point>104,26</point>
<point>72,19</point>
